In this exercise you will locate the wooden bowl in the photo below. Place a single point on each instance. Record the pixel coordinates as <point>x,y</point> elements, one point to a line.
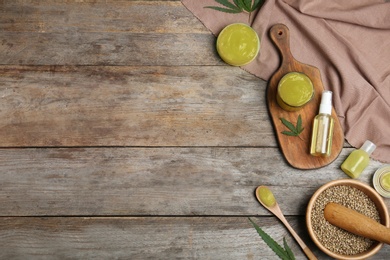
<point>372,194</point>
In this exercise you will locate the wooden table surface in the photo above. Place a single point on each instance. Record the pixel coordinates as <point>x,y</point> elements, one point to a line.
<point>124,136</point>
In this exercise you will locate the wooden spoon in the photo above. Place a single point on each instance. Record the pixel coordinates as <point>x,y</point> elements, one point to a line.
<point>356,223</point>
<point>274,208</point>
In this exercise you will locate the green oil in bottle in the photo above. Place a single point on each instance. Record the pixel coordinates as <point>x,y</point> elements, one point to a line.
<point>321,139</point>
<point>358,160</point>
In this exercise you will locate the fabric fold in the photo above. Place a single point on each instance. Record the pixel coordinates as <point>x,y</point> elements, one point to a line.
<point>349,42</point>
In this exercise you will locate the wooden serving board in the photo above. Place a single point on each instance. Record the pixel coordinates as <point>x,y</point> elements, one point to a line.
<point>295,149</point>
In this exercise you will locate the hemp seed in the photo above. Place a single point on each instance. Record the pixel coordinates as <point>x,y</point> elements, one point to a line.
<point>334,238</point>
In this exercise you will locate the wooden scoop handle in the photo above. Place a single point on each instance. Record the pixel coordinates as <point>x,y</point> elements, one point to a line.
<point>356,223</point>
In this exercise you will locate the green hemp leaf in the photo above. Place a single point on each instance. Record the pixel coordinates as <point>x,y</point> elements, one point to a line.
<point>283,253</point>
<point>237,6</point>
<point>295,130</point>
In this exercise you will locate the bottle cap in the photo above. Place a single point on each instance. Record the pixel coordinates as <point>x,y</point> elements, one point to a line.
<point>326,103</point>
<point>368,147</point>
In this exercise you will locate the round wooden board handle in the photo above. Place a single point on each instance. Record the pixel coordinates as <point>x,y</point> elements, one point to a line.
<point>356,223</point>
<point>296,150</point>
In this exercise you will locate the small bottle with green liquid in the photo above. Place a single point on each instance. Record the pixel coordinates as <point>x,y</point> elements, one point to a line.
<point>358,160</point>
<point>321,139</point>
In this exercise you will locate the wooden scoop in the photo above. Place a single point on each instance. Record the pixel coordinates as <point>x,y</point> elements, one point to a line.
<point>356,223</point>
<point>269,202</point>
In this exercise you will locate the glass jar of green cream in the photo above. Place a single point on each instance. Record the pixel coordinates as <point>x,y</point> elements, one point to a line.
<point>381,181</point>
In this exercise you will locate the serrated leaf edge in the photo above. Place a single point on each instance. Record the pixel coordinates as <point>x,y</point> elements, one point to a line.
<point>278,250</point>
<point>237,6</point>
<point>289,125</point>
<point>225,10</point>
<point>256,4</point>
<point>294,130</point>
<point>288,249</point>
<point>289,133</point>
<point>227,4</point>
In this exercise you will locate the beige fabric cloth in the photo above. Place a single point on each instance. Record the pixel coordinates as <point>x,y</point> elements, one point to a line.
<point>349,41</point>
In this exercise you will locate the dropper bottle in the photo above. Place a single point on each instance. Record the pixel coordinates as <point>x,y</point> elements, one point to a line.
<point>321,139</point>
<point>358,160</point>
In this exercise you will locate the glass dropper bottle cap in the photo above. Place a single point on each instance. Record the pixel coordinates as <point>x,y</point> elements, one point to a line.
<point>368,147</point>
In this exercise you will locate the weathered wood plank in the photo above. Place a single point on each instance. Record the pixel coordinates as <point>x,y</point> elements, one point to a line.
<point>145,238</point>
<point>107,49</point>
<point>118,33</point>
<point>148,238</point>
<point>155,181</point>
<point>53,16</point>
<point>160,101</point>
<point>132,106</point>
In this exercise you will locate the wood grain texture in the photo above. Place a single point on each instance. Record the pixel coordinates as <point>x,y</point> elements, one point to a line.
<point>124,136</point>
<point>357,223</point>
<point>297,150</point>
<point>107,49</point>
<point>155,181</point>
<point>144,238</point>
<point>98,16</point>
<point>148,238</point>
<point>99,33</point>
<point>132,106</point>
